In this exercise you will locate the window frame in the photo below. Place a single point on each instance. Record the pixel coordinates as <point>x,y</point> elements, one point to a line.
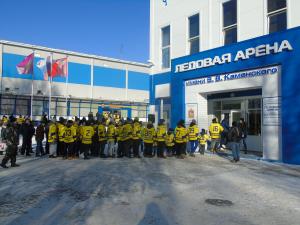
<point>229,27</point>
<point>274,13</point>
<point>162,48</point>
<point>191,39</point>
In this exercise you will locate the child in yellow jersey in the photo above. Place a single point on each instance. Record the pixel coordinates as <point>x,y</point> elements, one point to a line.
<point>215,131</point>
<point>111,135</point>
<point>180,139</point>
<point>52,139</point>
<point>193,132</point>
<point>136,137</point>
<point>60,131</point>
<point>148,137</point>
<point>127,137</point>
<point>70,138</point>
<point>160,138</point>
<point>169,140</point>
<point>203,138</point>
<point>102,137</point>
<point>119,133</point>
<point>87,132</point>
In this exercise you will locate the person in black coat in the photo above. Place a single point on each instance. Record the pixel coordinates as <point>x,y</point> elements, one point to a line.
<point>27,131</point>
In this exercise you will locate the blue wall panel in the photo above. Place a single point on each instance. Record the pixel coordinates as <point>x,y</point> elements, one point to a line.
<point>290,80</point>
<point>79,73</point>
<point>138,81</point>
<point>109,77</point>
<point>10,62</point>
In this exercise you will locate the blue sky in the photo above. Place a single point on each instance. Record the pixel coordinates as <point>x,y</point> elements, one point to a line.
<point>112,28</point>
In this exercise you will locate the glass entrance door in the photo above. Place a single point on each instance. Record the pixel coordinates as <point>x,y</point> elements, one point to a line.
<point>231,115</point>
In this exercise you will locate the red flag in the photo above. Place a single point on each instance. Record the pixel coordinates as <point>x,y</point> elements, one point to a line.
<point>26,66</point>
<point>60,68</point>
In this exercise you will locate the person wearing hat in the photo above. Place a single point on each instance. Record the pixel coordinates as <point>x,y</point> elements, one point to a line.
<point>193,132</point>
<point>203,138</point>
<point>148,135</point>
<point>215,130</point>
<point>39,137</point>
<point>127,137</point>
<point>9,135</point>
<point>119,135</point>
<point>52,138</point>
<point>169,141</point>
<point>160,138</point>
<point>70,137</point>
<point>27,131</point>
<point>136,137</point>
<point>111,136</point>
<point>180,139</point>
<point>61,134</point>
<point>102,137</point>
<point>87,132</point>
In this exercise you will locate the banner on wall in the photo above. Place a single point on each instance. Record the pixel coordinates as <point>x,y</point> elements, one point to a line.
<point>272,111</point>
<point>191,112</point>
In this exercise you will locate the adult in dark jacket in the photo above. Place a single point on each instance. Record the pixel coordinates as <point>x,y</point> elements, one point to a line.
<point>27,132</point>
<point>243,127</point>
<point>39,137</point>
<point>234,139</point>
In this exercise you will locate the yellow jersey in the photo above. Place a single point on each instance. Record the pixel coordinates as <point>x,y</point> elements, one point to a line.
<point>203,139</point>
<point>215,130</point>
<point>119,133</point>
<point>136,131</point>
<point>148,135</point>
<point>52,135</point>
<point>180,134</point>
<point>87,133</point>
<point>70,134</point>
<point>127,132</point>
<point>169,140</point>
<point>102,133</point>
<point>20,120</point>
<point>193,132</point>
<point>61,131</point>
<point>111,132</point>
<point>161,133</point>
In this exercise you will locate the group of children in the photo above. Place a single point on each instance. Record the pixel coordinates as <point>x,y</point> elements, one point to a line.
<point>127,138</point>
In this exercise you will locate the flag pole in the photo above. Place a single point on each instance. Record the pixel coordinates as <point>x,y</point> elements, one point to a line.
<point>50,85</point>
<point>67,80</point>
<point>32,75</point>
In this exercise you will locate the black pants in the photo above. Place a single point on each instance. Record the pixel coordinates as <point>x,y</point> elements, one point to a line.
<point>95,147</point>
<point>60,148</point>
<point>201,149</point>
<point>76,149</point>
<point>11,154</point>
<point>135,147</point>
<point>127,147</point>
<point>120,148</point>
<point>47,147</point>
<point>86,148</point>
<point>148,149</point>
<point>69,149</point>
<point>102,148</point>
<point>180,148</point>
<point>26,146</point>
<point>160,148</point>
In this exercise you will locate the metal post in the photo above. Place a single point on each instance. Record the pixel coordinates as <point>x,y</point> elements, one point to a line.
<point>126,84</point>
<point>32,76</point>
<point>161,108</point>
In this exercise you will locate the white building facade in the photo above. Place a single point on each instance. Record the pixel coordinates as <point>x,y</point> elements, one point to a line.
<point>195,44</point>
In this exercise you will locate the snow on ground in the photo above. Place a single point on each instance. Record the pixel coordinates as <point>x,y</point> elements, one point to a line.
<point>148,191</point>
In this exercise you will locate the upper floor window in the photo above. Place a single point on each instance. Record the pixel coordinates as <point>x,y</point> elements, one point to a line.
<point>277,15</point>
<point>165,47</point>
<point>194,44</point>
<point>230,22</point>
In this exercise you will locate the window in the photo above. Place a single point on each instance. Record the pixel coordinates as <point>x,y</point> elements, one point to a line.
<point>277,15</point>
<point>254,116</point>
<point>194,45</point>
<point>165,50</point>
<point>230,22</point>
